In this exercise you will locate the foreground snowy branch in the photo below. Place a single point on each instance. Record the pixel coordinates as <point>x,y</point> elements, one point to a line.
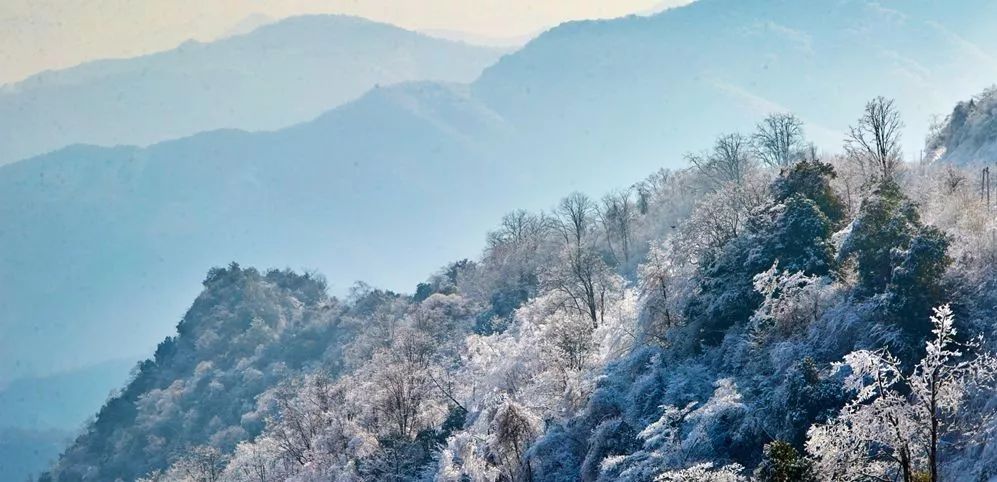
<point>893,425</point>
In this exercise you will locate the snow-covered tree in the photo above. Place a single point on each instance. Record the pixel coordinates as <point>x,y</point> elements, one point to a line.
<point>729,162</point>
<point>682,437</point>
<point>617,214</point>
<point>258,461</point>
<point>513,428</point>
<point>778,139</point>
<point>665,284</point>
<point>791,302</point>
<point>704,472</point>
<point>895,425</point>
<point>874,142</point>
<point>202,464</point>
<point>897,256</point>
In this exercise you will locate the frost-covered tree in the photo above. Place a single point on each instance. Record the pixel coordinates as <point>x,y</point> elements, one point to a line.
<point>898,256</point>
<point>895,425</point>
<point>617,215</point>
<point>665,284</point>
<point>704,472</point>
<point>202,464</point>
<point>399,388</point>
<point>513,256</point>
<point>576,215</point>
<point>682,439</point>
<point>811,179</point>
<point>791,228</point>
<point>579,274</point>
<point>299,416</point>
<point>729,162</point>
<point>444,318</point>
<point>873,143</point>
<point>258,461</point>
<point>513,428</point>
<point>716,220</point>
<point>790,302</point>
<point>782,463</point>
<point>543,367</point>
<point>778,140</point>
<point>583,282</point>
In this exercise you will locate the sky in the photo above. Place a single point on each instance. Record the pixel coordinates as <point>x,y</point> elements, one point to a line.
<point>37,35</point>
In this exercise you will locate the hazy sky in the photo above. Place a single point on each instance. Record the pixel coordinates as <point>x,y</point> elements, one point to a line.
<point>45,34</point>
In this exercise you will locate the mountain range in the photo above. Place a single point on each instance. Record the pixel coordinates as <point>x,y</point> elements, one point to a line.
<point>272,76</point>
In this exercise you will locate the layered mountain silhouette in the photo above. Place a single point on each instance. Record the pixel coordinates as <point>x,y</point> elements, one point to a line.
<point>273,76</point>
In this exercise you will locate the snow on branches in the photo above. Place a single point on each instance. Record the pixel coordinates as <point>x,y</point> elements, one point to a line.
<point>896,422</point>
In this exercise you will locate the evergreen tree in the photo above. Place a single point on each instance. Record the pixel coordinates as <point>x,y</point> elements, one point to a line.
<point>811,179</point>
<point>782,463</point>
<point>793,230</point>
<point>897,257</point>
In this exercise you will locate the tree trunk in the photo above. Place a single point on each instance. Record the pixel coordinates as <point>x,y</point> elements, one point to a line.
<point>908,474</point>
<point>933,453</point>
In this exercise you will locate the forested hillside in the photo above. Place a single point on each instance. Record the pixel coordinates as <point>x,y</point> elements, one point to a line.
<point>247,332</point>
<point>122,235</point>
<point>769,313</point>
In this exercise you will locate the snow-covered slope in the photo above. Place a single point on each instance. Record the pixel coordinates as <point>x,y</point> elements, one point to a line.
<point>967,136</point>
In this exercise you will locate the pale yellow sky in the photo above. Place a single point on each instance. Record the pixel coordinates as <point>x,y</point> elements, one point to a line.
<point>36,35</point>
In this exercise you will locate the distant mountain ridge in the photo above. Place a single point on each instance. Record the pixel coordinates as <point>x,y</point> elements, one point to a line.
<point>273,76</point>
<point>40,416</point>
<point>74,393</point>
<point>650,88</point>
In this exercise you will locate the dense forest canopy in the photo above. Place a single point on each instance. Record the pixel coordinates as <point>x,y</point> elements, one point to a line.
<point>768,313</point>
